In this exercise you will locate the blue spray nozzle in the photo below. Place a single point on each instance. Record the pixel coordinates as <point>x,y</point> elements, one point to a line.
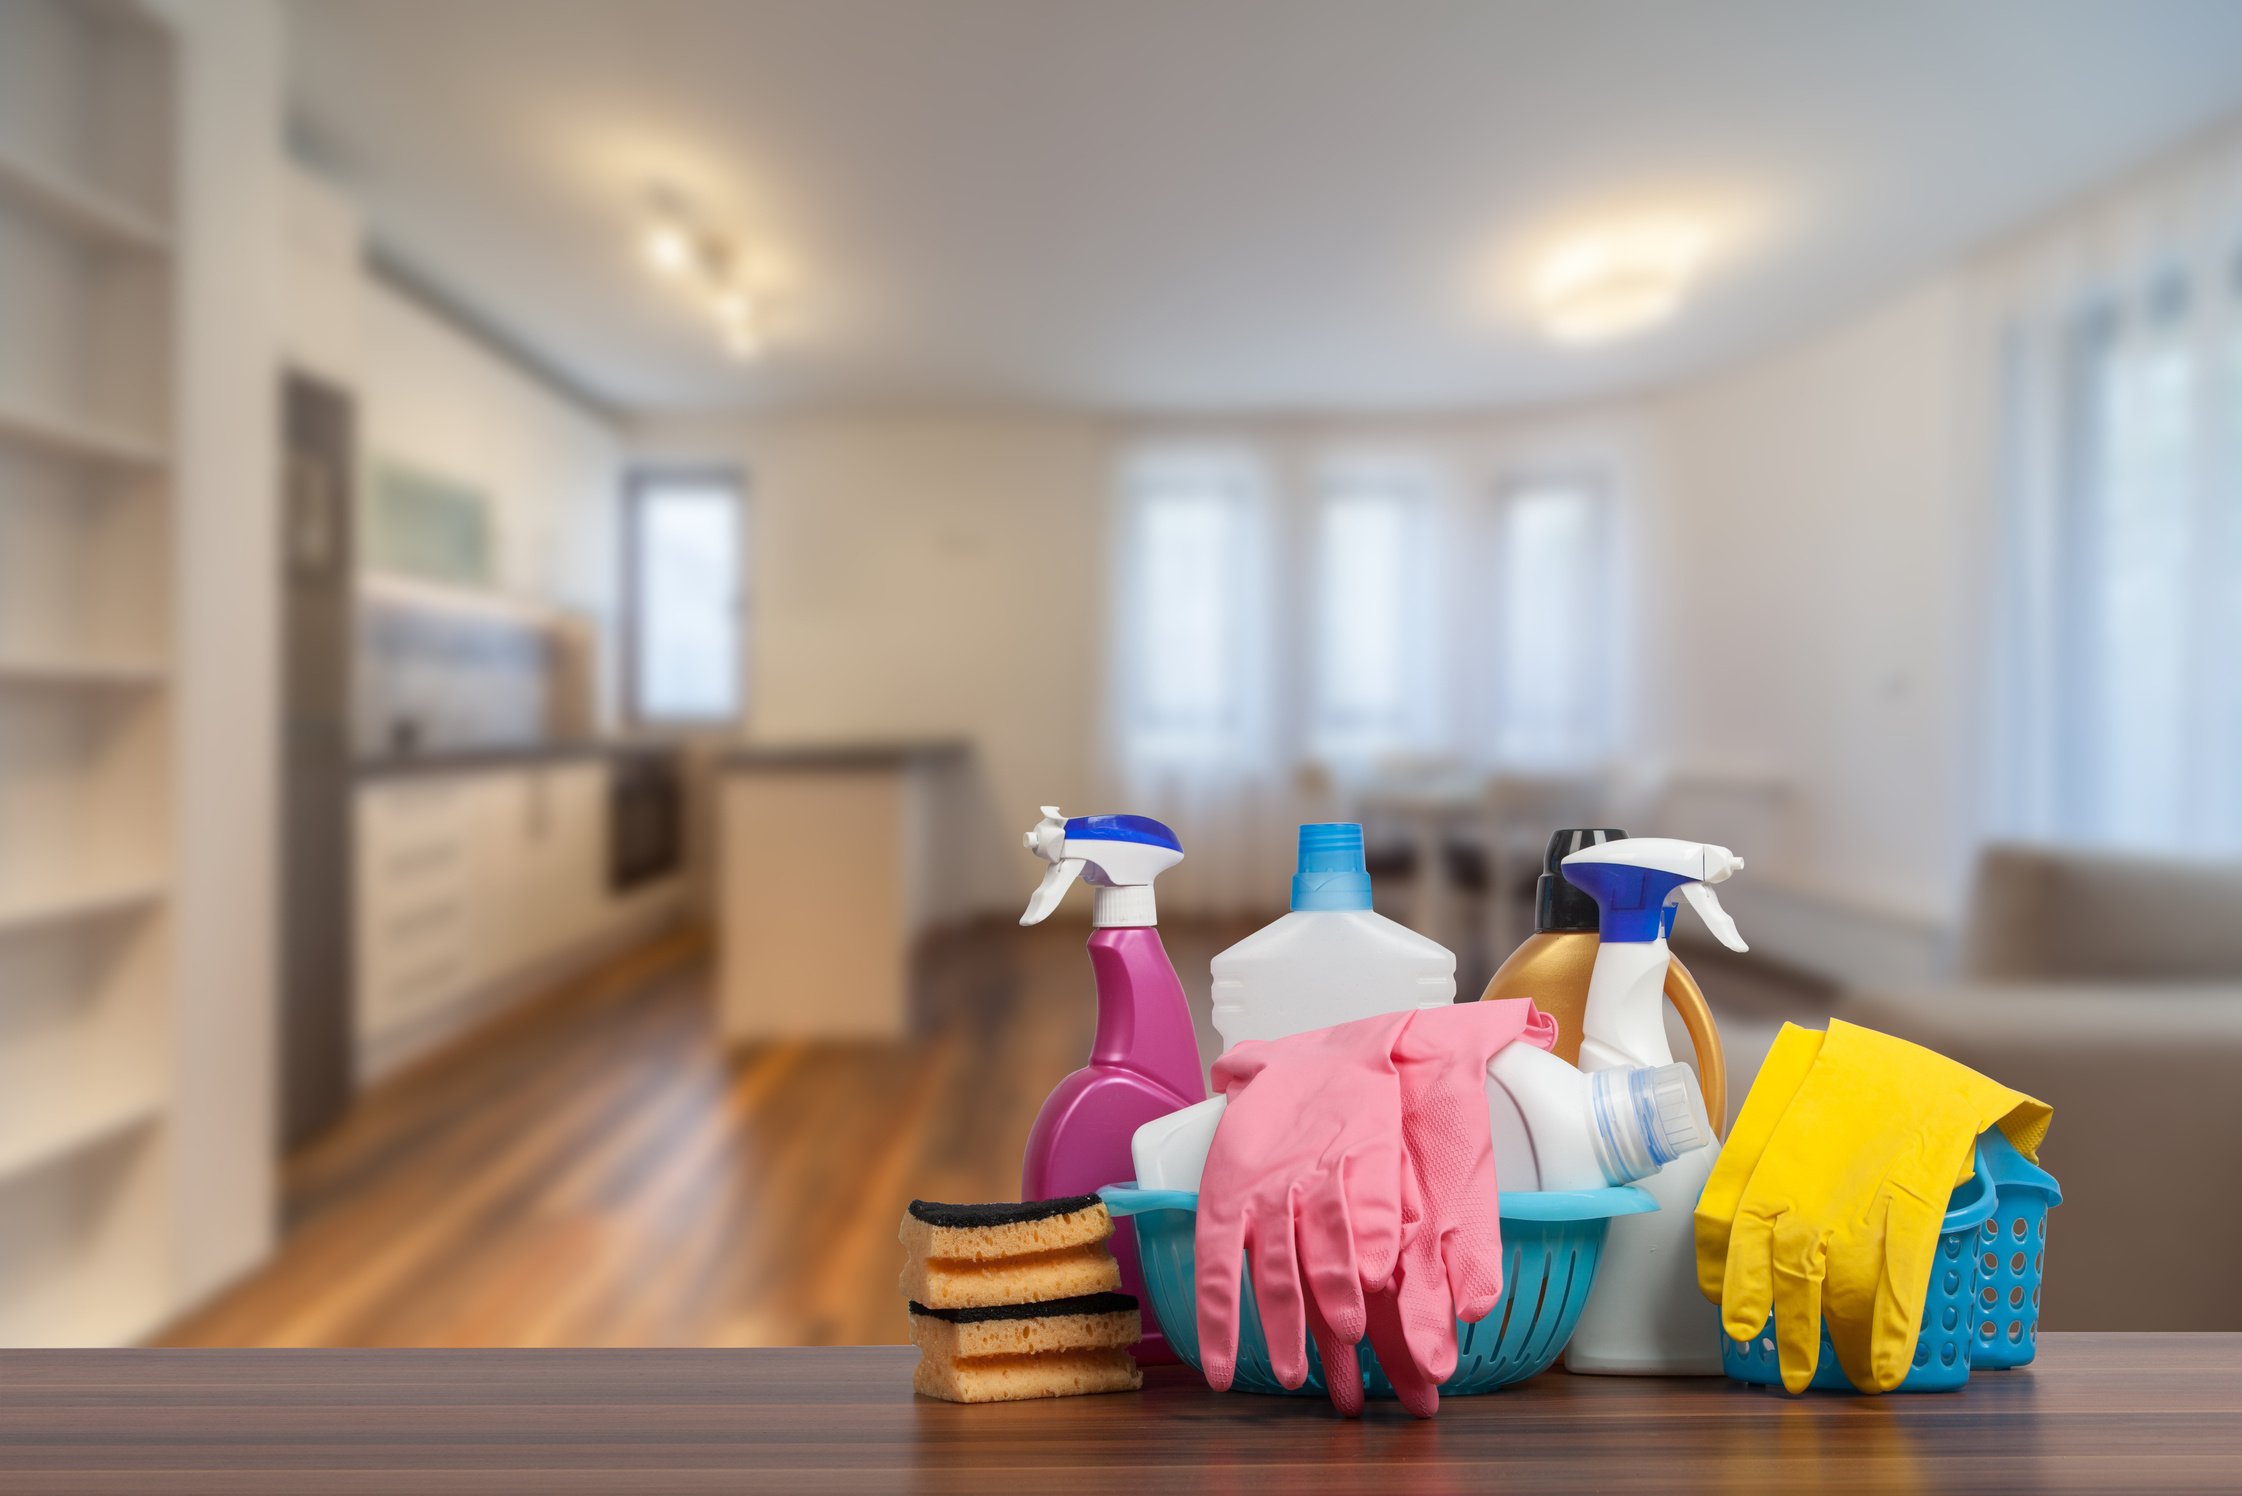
<point>1634,903</point>
<point>1330,872</point>
<point>1140,829</point>
<point>1634,881</point>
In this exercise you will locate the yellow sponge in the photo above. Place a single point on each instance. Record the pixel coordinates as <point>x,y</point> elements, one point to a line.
<point>1098,1321</point>
<point>1013,1378</point>
<point>991,1233</point>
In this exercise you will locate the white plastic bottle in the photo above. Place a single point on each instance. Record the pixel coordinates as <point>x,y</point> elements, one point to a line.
<point>1555,1128</point>
<point>1645,1315</point>
<point>1333,959</point>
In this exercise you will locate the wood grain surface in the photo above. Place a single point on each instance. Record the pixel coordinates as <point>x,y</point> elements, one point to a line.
<point>2099,1413</point>
<point>595,1169</point>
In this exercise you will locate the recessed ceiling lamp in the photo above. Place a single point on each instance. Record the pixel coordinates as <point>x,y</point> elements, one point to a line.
<point>1615,281</point>
<point>709,267</point>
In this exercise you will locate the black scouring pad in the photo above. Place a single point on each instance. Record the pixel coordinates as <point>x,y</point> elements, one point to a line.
<point>999,1213</point>
<point>1086,1303</point>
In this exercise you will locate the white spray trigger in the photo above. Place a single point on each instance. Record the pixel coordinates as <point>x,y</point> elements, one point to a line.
<point>1056,880</point>
<point>1047,839</point>
<point>1707,904</point>
<point>1047,836</point>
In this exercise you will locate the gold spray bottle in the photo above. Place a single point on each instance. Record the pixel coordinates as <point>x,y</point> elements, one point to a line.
<point>1553,964</point>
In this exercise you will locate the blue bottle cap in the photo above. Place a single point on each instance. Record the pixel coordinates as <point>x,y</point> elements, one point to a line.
<point>1330,873</point>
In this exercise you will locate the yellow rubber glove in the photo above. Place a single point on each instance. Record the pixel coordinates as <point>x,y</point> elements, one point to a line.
<point>1828,1197</point>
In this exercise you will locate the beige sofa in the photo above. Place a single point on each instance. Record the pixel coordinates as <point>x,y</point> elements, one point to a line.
<point>2111,988</point>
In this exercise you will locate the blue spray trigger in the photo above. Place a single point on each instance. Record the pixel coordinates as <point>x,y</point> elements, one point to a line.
<point>1122,828</point>
<point>1636,903</point>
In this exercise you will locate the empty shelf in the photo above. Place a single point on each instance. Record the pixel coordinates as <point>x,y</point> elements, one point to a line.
<point>61,436</point>
<point>84,212</point>
<point>57,1137</point>
<point>92,901</point>
<point>61,671</point>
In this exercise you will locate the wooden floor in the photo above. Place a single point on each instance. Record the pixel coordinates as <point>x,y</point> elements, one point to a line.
<point>594,1170</point>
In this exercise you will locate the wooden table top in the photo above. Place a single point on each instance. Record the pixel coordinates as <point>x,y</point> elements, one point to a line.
<point>2097,1413</point>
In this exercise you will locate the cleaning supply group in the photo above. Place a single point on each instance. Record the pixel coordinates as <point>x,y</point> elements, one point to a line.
<point>1390,1194</point>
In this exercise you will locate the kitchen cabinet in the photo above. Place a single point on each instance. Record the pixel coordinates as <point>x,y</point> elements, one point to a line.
<point>476,883</point>
<point>540,847</point>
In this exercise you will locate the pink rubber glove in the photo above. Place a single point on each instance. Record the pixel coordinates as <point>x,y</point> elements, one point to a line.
<point>1451,1228</point>
<point>1305,1176</point>
<point>1357,1160</point>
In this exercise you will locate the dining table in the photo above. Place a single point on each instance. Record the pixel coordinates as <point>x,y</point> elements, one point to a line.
<point>2095,1412</point>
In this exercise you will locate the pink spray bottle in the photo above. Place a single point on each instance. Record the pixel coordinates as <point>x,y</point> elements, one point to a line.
<point>1145,1061</point>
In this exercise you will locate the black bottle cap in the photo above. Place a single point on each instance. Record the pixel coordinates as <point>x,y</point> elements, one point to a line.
<point>1558,906</point>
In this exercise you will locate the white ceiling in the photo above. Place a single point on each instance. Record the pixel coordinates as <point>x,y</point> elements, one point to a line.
<point>1195,204</point>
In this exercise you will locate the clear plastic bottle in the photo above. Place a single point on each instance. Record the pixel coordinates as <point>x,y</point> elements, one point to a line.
<point>1333,959</point>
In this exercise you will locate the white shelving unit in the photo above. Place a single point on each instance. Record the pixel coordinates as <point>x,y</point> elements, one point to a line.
<point>88,295</point>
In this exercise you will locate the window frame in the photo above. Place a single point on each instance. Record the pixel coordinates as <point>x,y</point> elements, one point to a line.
<point>639,484</point>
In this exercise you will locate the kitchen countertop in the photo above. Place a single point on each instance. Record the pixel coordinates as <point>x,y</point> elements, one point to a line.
<point>474,760</point>
<point>2097,1413</point>
<point>897,754</point>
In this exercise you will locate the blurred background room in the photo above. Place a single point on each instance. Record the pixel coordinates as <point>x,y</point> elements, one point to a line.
<point>549,552</point>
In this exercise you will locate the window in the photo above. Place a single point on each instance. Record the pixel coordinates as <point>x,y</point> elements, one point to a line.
<point>1376,630</point>
<point>2126,559</point>
<point>1363,620</point>
<point>2119,713</point>
<point>1553,637</point>
<point>1189,584</point>
<point>685,551</point>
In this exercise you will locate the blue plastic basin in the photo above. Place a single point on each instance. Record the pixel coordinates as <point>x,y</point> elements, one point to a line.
<point>1551,1240</point>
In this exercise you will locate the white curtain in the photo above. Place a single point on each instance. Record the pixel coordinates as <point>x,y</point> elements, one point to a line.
<point>1194,693</point>
<point>2115,693</point>
<point>1293,618</point>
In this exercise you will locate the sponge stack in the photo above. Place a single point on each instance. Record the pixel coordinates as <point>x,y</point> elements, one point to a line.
<point>1012,1301</point>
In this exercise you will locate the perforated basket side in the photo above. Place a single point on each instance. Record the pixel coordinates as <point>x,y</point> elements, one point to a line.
<point>1550,1256</point>
<point>1943,1348</point>
<point>2012,1255</point>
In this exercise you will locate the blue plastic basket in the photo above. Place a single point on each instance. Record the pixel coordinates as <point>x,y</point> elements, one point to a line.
<point>2011,1248</point>
<point>1960,1322</point>
<point>1551,1240</point>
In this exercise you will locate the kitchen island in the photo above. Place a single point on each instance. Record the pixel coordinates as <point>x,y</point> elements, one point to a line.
<point>830,871</point>
<point>2097,1413</point>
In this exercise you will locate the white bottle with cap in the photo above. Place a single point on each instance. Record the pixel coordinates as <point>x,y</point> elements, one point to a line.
<point>1553,1127</point>
<point>1556,1128</point>
<point>1333,959</point>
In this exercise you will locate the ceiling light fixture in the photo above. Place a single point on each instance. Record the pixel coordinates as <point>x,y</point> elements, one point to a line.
<point>669,249</point>
<point>708,266</point>
<point>1615,281</point>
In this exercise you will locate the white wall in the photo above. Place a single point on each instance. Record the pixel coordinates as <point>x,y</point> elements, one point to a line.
<point>434,398</point>
<point>1809,621</point>
<point>926,577</point>
<point>947,575</point>
<point>1800,619</point>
